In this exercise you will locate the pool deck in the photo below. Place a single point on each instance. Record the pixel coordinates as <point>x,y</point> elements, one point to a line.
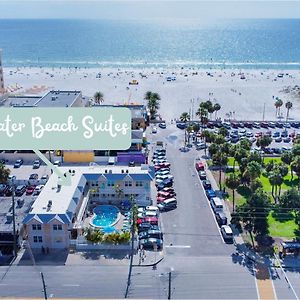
<point>118,225</point>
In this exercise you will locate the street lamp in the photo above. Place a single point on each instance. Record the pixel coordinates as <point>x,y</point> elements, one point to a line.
<point>14,217</point>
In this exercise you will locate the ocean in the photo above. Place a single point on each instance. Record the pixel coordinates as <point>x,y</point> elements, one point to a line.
<point>262,43</point>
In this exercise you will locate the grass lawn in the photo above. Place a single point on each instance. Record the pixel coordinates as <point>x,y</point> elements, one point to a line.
<point>282,228</point>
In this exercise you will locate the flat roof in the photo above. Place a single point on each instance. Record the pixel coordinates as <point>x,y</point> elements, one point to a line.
<point>63,199</point>
<point>17,101</point>
<point>58,99</point>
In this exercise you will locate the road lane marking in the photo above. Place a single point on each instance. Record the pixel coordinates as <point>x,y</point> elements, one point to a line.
<point>178,246</point>
<point>69,284</point>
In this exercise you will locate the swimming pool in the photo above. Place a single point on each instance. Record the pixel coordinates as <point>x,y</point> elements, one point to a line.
<point>105,216</point>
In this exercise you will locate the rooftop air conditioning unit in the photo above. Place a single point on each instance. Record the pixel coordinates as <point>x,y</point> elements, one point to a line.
<point>53,98</point>
<point>127,171</point>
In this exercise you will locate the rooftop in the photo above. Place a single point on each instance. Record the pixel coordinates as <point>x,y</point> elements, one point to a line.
<point>64,199</point>
<point>50,99</point>
<point>58,99</point>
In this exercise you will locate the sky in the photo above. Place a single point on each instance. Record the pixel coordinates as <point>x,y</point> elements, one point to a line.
<point>154,9</point>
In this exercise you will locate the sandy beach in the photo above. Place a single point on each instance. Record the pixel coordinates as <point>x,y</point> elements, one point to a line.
<point>242,99</point>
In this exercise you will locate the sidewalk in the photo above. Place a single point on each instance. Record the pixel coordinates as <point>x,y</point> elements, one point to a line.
<point>147,258</point>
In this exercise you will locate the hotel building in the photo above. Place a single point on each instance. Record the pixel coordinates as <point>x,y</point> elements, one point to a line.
<point>58,214</point>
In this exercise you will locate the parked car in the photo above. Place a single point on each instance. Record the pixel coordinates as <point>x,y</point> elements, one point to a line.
<point>201,146</point>
<point>202,175</point>
<point>151,220</point>
<point>284,134</point>
<point>287,140</point>
<point>181,125</point>
<point>162,125</point>
<point>154,130</point>
<point>276,134</point>
<point>206,184</point>
<point>160,199</point>
<point>38,189</point>
<point>271,124</point>
<point>151,243</point>
<point>168,189</point>
<point>199,166</point>
<point>256,125</point>
<point>33,176</point>
<point>36,164</point>
<point>210,194</point>
<point>3,189</point>
<point>45,177</point>
<point>9,191</point>
<point>221,218</point>
<point>157,234</point>
<point>168,204</point>
<point>30,189</point>
<point>216,204</point>
<point>20,190</point>
<point>264,125</point>
<point>147,213</point>
<point>278,139</point>
<point>18,163</point>
<point>227,233</point>
<point>279,125</point>
<point>164,184</point>
<point>166,195</point>
<point>146,226</point>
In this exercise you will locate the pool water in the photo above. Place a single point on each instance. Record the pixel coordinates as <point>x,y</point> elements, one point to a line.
<point>105,216</point>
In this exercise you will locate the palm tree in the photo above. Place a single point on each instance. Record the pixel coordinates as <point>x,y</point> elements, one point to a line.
<point>202,113</point>
<point>264,142</point>
<point>288,106</point>
<point>278,104</point>
<point>232,182</point>
<point>185,117</point>
<point>287,158</point>
<point>211,110</point>
<point>295,165</point>
<point>4,173</point>
<point>153,102</point>
<point>217,107</point>
<point>98,96</point>
<point>253,170</point>
<point>220,159</point>
<point>196,128</point>
<point>153,106</point>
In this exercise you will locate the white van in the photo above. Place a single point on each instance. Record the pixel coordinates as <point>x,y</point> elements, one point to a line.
<point>216,204</point>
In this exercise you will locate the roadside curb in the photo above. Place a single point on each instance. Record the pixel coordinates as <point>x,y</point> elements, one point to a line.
<point>150,265</point>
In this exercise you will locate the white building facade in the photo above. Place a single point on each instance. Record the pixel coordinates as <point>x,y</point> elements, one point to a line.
<point>53,219</point>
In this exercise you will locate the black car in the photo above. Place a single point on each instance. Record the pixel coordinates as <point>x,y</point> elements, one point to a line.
<point>202,175</point>
<point>181,125</point>
<point>147,226</point>
<point>206,184</point>
<point>20,190</point>
<point>279,125</point>
<point>18,163</point>
<point>9,191</point>
<point>249,125</point>
<point>167,183</point>
<point>284,134</point>
<point>295,124</point>
<point>151,233</point>
<point>3,189</point>
<point>277,150</point>
<point>221,218</point>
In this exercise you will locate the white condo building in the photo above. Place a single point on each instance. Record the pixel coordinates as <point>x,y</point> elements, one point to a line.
<point>58,214</point>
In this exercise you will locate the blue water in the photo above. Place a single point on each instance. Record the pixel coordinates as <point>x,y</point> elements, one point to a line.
<point>89,43</point>
<point>106,215</point>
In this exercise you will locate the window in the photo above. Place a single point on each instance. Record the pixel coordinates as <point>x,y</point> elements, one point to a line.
<point>110,183</point>
<point>57,227</point>
<point>128,183</point>
<point>139,183</point>
<point>36,227</point>
<point>37,239</point>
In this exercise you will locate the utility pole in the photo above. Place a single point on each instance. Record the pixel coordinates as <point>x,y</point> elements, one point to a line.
<point>44,286</point>
<point>264,111</point>
<point>132,247</point>
<point>170,285</point>
<point>14,218</point>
